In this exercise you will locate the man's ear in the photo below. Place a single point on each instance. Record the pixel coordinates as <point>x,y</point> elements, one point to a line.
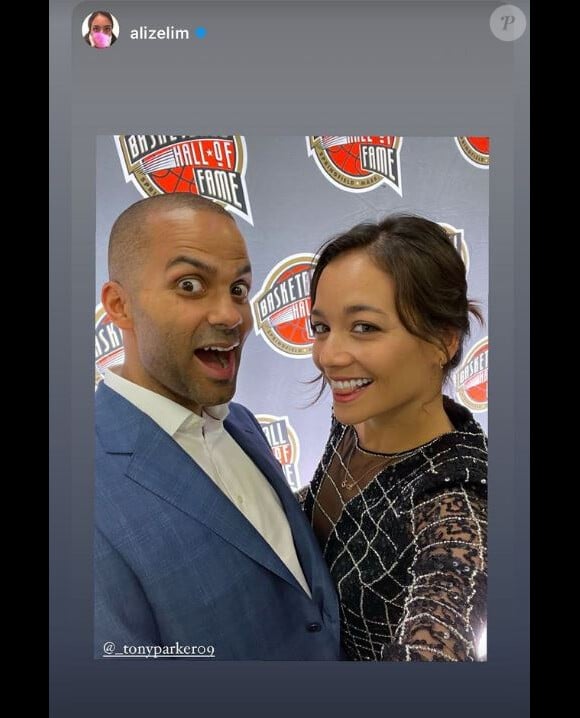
<point>117,305</point>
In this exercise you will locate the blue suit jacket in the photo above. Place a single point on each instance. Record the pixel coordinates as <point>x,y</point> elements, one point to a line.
<point>176,562</point>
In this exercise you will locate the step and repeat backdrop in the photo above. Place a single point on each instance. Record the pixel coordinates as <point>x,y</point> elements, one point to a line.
<point>288,195</point>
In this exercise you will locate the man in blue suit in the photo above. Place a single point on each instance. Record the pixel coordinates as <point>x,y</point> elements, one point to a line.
<point>200,546</point>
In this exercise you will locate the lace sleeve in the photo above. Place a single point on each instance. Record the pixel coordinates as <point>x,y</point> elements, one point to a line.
<point>444,610</point>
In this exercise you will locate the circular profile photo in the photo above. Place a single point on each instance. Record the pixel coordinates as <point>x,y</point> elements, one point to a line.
<point>100,29</point>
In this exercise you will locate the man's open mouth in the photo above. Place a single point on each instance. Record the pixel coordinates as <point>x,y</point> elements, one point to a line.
<point>219,359</point>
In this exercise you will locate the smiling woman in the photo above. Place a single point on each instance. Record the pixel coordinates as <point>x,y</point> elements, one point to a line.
<point>399,500</point>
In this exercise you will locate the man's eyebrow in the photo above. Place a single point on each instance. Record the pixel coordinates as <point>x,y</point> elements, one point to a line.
<point>207,268</point>
<point>197,263</point>
<point>246,269</point>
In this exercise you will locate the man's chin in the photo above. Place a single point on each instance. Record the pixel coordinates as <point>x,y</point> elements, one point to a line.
<point>224,391</point>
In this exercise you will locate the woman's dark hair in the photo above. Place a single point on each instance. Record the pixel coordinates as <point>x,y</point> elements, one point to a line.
<point>109,17</point>
<point>428,274</point>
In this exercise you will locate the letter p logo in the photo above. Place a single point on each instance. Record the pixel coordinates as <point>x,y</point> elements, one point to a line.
<point>507,23</point>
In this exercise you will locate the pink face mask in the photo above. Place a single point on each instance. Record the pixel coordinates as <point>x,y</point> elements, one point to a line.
<point>101,39</point>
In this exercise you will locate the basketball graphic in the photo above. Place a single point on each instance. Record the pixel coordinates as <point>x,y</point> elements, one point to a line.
<point>475,150</point>
<point>281,308</point>
<point>358,163</point>
<point>471,377</point>
<point>211,166</point>
<point>284,443</point>
<point>108,344</point>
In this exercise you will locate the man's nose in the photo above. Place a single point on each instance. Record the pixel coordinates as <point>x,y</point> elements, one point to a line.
<point>225,312</point>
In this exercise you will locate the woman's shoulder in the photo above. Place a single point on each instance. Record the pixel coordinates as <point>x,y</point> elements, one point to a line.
<point>454,462</point>
<point>468,440</point>
<point>451,464</point>
<point>463,421</point>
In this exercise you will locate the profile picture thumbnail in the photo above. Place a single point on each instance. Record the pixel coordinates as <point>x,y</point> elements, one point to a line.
<point>100,29</point>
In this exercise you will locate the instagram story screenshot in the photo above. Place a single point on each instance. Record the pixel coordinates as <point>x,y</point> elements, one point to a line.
<point>283,461</point>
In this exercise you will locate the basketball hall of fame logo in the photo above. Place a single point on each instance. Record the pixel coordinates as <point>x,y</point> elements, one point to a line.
<point>475,150</point>
<point>108,343</point>
<point>471,377</point>
<point>358,163</point>
<point>210,166</point>
<point>281,308</point>
<point>458,239</point>
<point>284,443</point>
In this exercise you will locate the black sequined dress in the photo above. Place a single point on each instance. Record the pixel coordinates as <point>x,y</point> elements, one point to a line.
<point>408,551</point>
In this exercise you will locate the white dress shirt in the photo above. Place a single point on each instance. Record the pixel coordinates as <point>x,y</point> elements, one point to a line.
<point>205,439</point>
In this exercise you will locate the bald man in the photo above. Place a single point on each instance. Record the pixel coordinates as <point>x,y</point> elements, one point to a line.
<point>200,547</point>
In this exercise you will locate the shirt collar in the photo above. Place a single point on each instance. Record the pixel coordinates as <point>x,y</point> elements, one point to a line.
<point>170,415</point>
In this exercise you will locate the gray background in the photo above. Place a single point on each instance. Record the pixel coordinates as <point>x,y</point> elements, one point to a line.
<point>294,209</point>
<point>422,69</point>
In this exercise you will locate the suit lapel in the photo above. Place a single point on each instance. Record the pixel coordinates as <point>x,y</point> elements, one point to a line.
<point>304,540</point>
<point>161,466</point>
